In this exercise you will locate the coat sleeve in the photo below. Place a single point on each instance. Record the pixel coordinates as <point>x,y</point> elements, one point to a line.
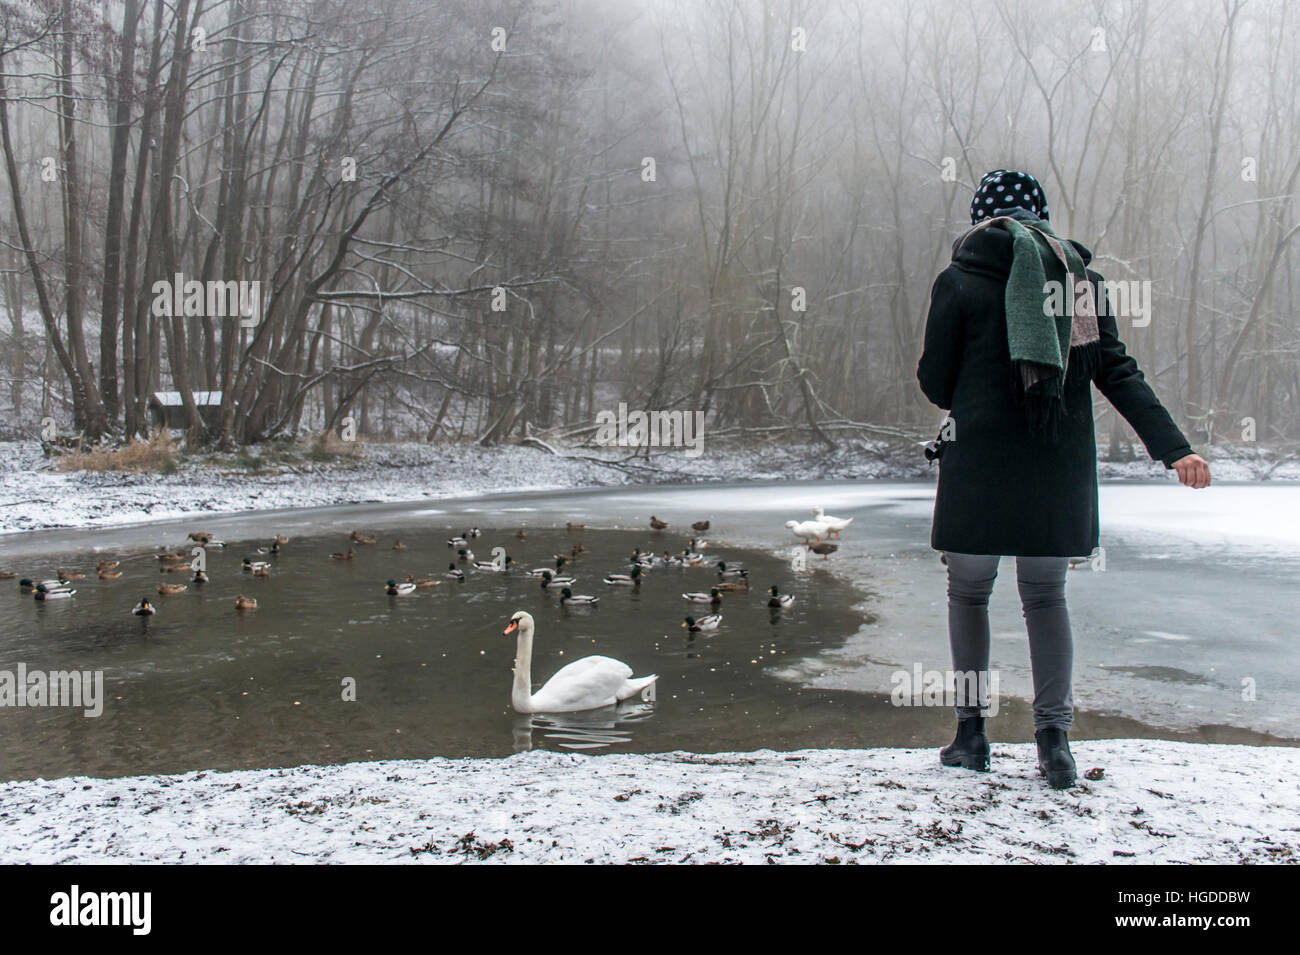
<point>1124,386</point>
<point>941,355</point>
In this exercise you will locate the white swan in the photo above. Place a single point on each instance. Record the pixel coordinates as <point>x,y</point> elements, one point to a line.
<point>835,524</point>
<point>585,684</point>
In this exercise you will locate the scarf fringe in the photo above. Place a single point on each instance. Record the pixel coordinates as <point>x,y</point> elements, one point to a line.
<point>1042,399</point>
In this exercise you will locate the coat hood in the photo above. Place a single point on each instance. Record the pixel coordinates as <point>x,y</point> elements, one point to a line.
<point>987,250</point>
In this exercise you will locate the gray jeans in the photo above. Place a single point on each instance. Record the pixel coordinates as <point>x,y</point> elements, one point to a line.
<point>1051,648</point>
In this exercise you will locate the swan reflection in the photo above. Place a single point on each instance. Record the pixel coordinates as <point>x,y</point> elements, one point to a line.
<point>588,729</point>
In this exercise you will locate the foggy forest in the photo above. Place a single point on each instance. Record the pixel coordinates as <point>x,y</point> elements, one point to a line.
<point>468,221</point>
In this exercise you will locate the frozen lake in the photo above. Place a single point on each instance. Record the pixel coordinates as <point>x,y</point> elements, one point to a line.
<point>1196,608</point>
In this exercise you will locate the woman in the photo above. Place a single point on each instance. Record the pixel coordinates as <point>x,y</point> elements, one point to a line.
<point>1010,352</point>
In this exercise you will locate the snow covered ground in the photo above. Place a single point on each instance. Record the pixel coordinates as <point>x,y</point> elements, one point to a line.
<point>1154,802</point>
<point>33,495</point>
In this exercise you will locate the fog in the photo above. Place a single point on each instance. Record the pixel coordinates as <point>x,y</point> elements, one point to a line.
<point>481,221</point>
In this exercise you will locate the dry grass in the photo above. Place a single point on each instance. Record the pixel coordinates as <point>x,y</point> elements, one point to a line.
<point>328,446</point>
<point>157,456</point>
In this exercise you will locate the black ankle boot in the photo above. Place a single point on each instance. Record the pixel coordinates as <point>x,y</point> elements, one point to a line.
<point>970,750</point>
<point>1054,759</point>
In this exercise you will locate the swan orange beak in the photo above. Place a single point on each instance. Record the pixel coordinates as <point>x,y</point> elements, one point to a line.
<point>511,627</point>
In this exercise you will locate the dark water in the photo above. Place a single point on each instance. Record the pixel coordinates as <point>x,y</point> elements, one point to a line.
<point>201,685</point>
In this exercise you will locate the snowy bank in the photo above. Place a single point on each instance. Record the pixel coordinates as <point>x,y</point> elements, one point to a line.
<point>34,495</point>
<point>1155,802</point>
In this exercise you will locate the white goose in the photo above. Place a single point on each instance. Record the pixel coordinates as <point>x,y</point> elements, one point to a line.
<point>834,524</point>
<point>585,684</point>
<point>808,530</point>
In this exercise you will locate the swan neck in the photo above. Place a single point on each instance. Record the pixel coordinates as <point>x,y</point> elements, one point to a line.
<point>522,694</point>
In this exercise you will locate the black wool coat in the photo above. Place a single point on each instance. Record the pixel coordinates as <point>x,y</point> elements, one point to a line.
<point>1001,489</point>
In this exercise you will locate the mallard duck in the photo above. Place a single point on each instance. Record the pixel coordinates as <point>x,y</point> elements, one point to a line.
<point>465,555</point>
<point>7,575</point>
<point>656,524</point>
<point>211,542</point>
<point>53,593</point>
<point>357,536</point>
<point>692,560</point>
<point>455,573</point>
<point>777,599</point>
<point>457,541</point>
<point>144,608</point>
<point>638,559</point>
<point>102,565</point>
<point>200,577</point>
<point>825,548</point>
<point>109,574</point>
<point>70,574</point>
<point>199,535</point>
<point>28,584</point>
<point>700,526</point>
<point>423,582</point>
<point>394,589</point>
<point>714,597</point>
<point>731,586</point>
<point>281,539</point>
<point>473,532</point>
<point>171,555</point>
<point>671,560</point>
<point>493,566</point>
<point>254,566</point>
<point>167,589</point>
<point>696,545</point>
<point>551,582</point>
<point>833,524</point>
<point>245,603</point>
<point>348,554</point>
<point>733,571</point>
<point>559,565</point>
<point>366,539</point>
<point>807,530</point>
<point>569,598</point>
<point>585,684</point>
<point>703,624</point>
<point>262,571</point>
<point>575,527</point>
<point>521,534</point>
<point>180,568</point>
<point>272,549</point>
<point>398,545</point>
<point>625,580</point>
<point>577,549</point>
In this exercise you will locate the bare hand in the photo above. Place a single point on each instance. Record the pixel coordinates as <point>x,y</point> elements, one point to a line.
<point>1193,470</point>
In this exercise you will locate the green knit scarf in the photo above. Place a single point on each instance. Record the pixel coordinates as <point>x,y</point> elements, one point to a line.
<point>1049,332</point>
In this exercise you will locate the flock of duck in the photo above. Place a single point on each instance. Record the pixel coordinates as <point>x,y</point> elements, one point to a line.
<point>598,681</point>
<point>61,586</point>
<point>588,683</point>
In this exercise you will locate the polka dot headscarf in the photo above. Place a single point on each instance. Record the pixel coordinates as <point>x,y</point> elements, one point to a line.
<point>1006,189</point>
